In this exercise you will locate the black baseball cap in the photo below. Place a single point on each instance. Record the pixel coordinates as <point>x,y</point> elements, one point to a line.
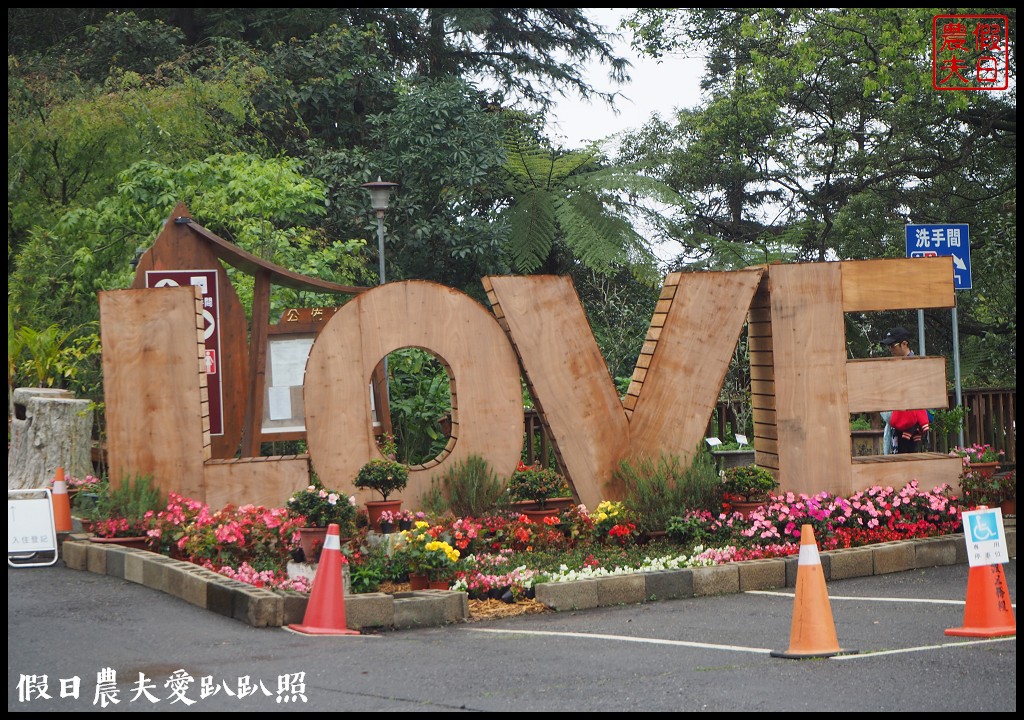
<point>896,335</point>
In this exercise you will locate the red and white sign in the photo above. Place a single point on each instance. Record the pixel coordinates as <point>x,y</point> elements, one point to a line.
<point>970,52</point>
<point>207,281</point>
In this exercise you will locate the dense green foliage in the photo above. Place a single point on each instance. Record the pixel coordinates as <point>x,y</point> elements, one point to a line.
<point>656,489</point>
<point>469,488</point>
<point>819,137</point>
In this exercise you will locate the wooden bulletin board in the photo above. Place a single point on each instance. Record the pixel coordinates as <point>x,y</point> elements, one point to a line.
<point>288,346</point>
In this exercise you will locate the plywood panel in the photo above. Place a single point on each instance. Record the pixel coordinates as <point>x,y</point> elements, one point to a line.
<point>897,383</point>
<point>897,284</point>
<point>929,469</point>
<point>487,408</point>
<point>690,361</point>
<point>267,481</point>
<point>178,248</point>
<point>151,379</point>
<point>576,396</point>
<point>808,340</point>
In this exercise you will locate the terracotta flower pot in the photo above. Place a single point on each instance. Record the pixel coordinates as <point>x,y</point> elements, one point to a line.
<point>374,508</point>
<point>418,581</point>
<point>312,541</point>
<point>139,542</point>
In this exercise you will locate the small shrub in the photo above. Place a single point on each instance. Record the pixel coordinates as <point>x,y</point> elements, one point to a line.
<point>656,491</point>
<point>537,484</point>
<point>132,499</point>
<point>469,488</point>
<point>749,482</point>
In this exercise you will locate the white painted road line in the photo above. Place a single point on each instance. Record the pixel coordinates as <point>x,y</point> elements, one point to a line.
<point>871,653</point>
<point>625,638</point>
<point>922,601</point>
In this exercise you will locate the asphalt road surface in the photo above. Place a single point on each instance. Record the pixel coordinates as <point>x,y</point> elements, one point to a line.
<point>79,642</point>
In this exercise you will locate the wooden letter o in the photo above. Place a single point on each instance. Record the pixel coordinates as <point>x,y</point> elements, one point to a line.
<point>487,401</point>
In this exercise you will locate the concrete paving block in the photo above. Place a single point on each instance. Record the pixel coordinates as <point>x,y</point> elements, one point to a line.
<point>621,590</point>
<point>75,554</point>
<point>419,610</point>
<point>368,610</point>
<point>935,552</point>
<point>183,583</point>
<point>220,598</point>
<point>258,607</point>
<point>716,580</point>
<point>134,568</point>
<point>115,563</point>
<point>668,585</point>
<point>154,570</point>
<point>961,549</point>
<point>893,557</point>
<point>295,607</point>
<point>97,562</point>
<point>765,574</point>
<point>563,596</point>
<point>852,563</point>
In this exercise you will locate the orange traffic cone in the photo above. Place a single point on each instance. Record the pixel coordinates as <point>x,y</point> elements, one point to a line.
<point>61,503</point>
<point>325,613</point>
<point>988,612</point>
<point>813,633</point>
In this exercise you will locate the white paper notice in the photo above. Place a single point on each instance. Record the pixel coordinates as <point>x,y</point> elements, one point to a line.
<point>280,399</point>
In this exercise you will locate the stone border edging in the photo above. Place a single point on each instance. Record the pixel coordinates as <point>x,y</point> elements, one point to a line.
<point>261,607</point>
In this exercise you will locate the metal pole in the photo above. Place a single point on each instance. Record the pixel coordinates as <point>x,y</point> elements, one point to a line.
<point>380,253</point>
<point>380,243</point>
<point>920,333</point>
<point>956,371</point>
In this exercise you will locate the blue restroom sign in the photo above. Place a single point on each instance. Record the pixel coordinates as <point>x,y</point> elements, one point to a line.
<point>941,241</point>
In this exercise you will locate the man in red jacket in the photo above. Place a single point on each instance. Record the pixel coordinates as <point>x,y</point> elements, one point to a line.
<point>906,427</point>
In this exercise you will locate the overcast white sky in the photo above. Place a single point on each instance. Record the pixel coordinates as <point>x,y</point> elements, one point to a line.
<point>655,87</point>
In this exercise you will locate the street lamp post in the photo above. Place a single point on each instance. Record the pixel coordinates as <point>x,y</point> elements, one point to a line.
<point>380,197</point>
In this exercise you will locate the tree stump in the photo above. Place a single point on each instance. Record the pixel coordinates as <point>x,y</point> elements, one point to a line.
<point>50,429</point>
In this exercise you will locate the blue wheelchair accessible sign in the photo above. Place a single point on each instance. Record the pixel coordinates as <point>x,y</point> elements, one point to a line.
<point>986,541</point>
<point>942,241</point>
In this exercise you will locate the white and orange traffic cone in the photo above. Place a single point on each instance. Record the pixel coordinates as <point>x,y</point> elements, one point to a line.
<point>813,633</point>
<point>988,612</point>
<point>325,613</point>
<point>61,503</point>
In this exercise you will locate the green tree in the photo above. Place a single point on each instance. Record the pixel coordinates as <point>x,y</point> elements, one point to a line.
<point>830,139</point>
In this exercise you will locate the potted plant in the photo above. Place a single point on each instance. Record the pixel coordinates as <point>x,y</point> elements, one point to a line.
<point>989,489</point>
<point>384,476</point>
<point>88,503</point>
<point>321,507</point>
<point>533,483</point>
<point>125,513</point>
<point>747,487</point>
<point>982,458</point>
<point>430,556</point>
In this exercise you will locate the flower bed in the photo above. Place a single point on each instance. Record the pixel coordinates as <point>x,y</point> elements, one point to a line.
<point>505,555</point>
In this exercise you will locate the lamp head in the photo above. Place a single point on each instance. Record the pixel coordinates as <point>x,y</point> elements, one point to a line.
<point>380,193</point>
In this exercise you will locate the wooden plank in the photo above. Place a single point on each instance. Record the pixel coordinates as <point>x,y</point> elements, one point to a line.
<point>177,248</point>
<point>266,481</point>
<point>487,402</point>
<point>151,387</point>
<point>929,469</point>
<point>809,345</point>
<point>253,419</point>
<point>690,361</point>
<point>897,284</point>
<point>563,362</point>
<point>897,383</point>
